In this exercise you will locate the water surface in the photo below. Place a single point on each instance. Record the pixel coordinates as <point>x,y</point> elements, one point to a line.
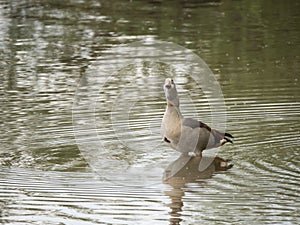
<point>46,49</point>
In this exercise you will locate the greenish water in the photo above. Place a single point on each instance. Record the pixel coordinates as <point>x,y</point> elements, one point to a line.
<point>46,47</point>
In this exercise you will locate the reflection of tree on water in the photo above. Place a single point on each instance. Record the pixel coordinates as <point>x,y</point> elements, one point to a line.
<point>187,169</point>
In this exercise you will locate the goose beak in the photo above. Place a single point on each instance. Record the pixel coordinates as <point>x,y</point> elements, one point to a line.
<point>168,83</point>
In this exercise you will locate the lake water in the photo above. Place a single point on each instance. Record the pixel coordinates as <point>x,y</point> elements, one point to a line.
<point>82,146</point>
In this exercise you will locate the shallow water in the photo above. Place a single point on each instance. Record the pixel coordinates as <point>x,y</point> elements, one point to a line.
<point>49,55</point>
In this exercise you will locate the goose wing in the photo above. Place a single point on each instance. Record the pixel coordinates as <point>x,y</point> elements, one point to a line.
<point>206,137</point>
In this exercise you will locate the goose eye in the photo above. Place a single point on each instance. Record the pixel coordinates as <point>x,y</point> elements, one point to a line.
<point>172,81</point>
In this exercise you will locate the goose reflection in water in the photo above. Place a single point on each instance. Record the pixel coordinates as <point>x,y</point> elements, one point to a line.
<point>185,170</point>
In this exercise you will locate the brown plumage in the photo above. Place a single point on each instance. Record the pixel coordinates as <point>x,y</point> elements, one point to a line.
<point>186,134</point>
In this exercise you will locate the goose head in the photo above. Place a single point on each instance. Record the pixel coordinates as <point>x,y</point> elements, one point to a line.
<point>171,93</point>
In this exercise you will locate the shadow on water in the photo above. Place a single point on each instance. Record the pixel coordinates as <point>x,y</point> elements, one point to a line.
<point>185,170</point>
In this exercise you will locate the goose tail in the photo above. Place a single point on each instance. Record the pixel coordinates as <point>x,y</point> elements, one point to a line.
<point>227,138</point>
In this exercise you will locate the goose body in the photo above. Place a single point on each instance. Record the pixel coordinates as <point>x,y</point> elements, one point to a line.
<point>187,135</point>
